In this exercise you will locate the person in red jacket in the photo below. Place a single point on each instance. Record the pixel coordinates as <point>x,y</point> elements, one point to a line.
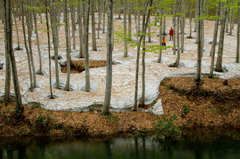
<point>171,32</point>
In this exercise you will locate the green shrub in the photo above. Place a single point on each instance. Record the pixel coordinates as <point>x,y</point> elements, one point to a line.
<point>185,110</point>
<point>165,130</point>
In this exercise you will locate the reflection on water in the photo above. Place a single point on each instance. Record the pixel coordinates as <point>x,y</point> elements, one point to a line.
<point>124,148</point>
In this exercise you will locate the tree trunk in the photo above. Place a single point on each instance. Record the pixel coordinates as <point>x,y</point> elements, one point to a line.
<point>199,54</point>
<point>119,11</point>
<point>213,48</point>
<point>174,29</point>
<point>182,25</point>
<point>130,21</point>
<point>107,99</point>
<point>125,29</point>
<point>160,36</point>
<point>15,21</point>
<point>80,8</point>
<point>238,35</point>
<point>86,29</point>
<point>138,53</point>
<point>55,39</point>
<point>221,43</point>
<point>9,49</point>
<point>7,39</point>
<point>94,45</point>
<point>190,19</point>
<point>99,18</point>
<point>27,51</point>
<point>49,54</point>
<point>67,86</point>
<point>72,7</point>
<point>231,22</point>
<point>30,28</point>
<point>104,10</point>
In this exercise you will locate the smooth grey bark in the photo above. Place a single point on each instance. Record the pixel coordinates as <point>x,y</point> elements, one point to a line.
<point>182,25</point>
<point>108,91</point>
<point>15,21</point>
<point>160,36</point>
<point>238,35</point>
<point>231,22</point>
<point>99,18</point>
<point>196,14</point>
<point>190,19</point>
<point>125,29</point>
<point>200,48</point>
<point>54,26</point>
<point>80,8</point>
<point>138,53</point>
<point>72,8</point>
<point>213,48</point>
<point>30,28</point>
<point>178,44</point>
<point>86,29</point>
<point>164,24</point>
<point>174,28</point>
<point>66,21</point>
<point>27,50</point>
<point>49,54</point>
<point>221,42</point>
<point>38,45</point>
<point>130,21</point>
<point>227,20</point>
<point>104,10</point>
<point>94,43</point>
<point>149,32</point>
<point>119,10</point>
<point>9,42</point>
<point>7,33</point>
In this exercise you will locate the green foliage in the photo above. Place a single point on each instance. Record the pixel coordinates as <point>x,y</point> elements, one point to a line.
<point>185,110</point>
<point>139,133</point>
<point>112,118</point>
<point>18,110</point>
<point>165,130</point>
<point>42,122</point>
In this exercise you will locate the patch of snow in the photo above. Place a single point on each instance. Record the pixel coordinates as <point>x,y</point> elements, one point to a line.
<point>157,109</point>
<point>93,87</point>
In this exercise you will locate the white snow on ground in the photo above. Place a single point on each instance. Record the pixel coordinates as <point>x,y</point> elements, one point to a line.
<point>123,84</point>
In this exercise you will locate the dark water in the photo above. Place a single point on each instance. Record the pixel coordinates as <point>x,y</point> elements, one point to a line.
<point>118,148</point>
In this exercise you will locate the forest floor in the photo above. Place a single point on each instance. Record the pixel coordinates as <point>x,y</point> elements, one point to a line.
<point>123,84</point>
<point>213,104</point>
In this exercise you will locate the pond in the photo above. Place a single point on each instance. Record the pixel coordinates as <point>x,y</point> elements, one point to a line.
<point>118,148</point>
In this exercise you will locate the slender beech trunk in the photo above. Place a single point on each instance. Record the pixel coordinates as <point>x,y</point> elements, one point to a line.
<point>119,9</point>
<point>107,99</point>
<point>213,48</point>
<point>30,28</point>
<point>27,50</point>
<point>7,35</point>
<point>73,25</point>
<point>9,42</point>
<point>49,54</point>
<point>138,54</point>
<point>104,10</point>
<point>221,42</point>
<point>125,29</point>
<point>66,21</point>
<point>238,35</point>
<point>231,22</point>
<point>94,43</point>
<point>54,26</point>
<point>199,54</point>
<point>174,29</point>
<point>160,36</point>
<point>99,18</point>
<point>80,8</point>
<point>130,21</point>
<point>15,21</point>
<point>86,29</point>
<point>182,25</point>
<point>190,19</point>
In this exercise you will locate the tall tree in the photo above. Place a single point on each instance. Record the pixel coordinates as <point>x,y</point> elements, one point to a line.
<point>221,40</point>
<point>94,43</point>
<point>80,8</point>
<point>107,99</point>
<point>149,3</point>
<point>9,42</point>
<point>200,48</point>
<point>86,29</point>
<point>66,21</point>
<point>49,54</point>
<point>125,29</point>
<point>213,48</point>
<point>238,35</point>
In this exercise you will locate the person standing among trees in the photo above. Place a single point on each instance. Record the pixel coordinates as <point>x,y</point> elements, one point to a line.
<point>164,42</point>
<point>171,34</point>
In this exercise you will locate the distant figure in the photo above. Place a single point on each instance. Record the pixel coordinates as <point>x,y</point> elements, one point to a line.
<point>171,32</point>
<point>164,42</point>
